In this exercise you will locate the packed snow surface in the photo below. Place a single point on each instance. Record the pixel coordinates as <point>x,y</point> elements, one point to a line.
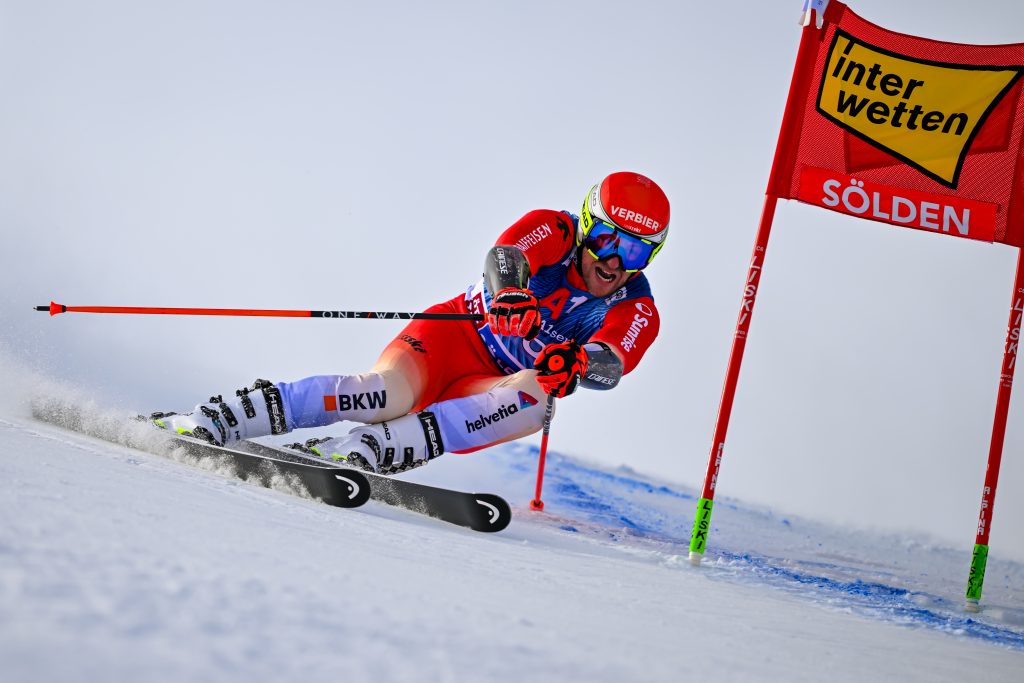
<point>120,564</point>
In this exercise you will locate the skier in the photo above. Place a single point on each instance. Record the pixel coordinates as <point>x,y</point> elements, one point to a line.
<point>562,293</point>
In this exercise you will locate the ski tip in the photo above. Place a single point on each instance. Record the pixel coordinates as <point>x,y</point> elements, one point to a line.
<point>496,513</point>
<point>355,488</point>
<point>54,308</point>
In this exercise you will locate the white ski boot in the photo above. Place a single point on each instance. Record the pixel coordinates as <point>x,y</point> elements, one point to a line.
<point>253,412</point>
<point>385,447</point>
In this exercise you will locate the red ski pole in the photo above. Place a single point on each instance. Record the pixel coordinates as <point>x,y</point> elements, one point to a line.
<point>57,309</point>
<point>549,411</point>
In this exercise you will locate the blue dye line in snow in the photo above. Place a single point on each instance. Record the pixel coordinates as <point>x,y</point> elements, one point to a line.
<point>562,467</point>
<point>880,600</point>
<point>605,498</point>
<point>601,498</point>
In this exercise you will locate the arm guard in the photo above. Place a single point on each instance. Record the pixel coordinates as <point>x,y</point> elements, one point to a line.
<point>604,368</point>
<point>506,267</point>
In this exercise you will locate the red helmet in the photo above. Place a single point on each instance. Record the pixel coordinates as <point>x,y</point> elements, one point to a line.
<point>624,215</point>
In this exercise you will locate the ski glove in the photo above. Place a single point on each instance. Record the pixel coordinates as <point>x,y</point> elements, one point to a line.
<point>560,367</point>
<point>514,312</point>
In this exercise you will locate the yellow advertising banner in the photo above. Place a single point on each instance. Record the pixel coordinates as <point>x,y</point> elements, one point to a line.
<point>925,113</point>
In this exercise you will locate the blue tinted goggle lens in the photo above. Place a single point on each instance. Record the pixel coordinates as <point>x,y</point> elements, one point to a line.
<point>604,241</point>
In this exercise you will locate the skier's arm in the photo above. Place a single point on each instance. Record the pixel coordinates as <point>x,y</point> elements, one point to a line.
<point>629,330</point>
<point>563,367</point>
<point>537,239</point>
<point>506,267</point>
<point>602,361</point>
<point>543,236</point>
<point>514,309</point>
<point>604,368</point>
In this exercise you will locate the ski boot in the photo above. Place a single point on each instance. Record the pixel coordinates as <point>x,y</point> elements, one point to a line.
<point>385,447</point>
<point>257,411</point>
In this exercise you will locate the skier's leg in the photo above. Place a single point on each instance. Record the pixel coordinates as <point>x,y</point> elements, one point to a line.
<point>415,366</point>
<point>383,394</point>
<point>466,402</point>
<point>507,408</point>
<point>269,408</point>
<point>412,371</point>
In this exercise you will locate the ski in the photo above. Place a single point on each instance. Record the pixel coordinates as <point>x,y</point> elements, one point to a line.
<point>486,512</point>
<point>334,485</point>
<point>339,486</point>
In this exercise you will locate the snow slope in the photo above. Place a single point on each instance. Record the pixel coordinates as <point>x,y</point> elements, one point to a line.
<point>118,564</point>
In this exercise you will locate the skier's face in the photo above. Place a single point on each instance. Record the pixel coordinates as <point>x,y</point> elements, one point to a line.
<point>602,278</point>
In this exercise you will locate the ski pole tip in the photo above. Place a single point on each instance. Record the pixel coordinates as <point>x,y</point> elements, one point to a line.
<point>537,504</point>
<point>54,308</point>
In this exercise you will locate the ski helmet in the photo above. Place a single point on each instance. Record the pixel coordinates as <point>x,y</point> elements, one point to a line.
<point>625,215</point>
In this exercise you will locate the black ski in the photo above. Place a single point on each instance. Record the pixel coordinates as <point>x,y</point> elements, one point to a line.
<point>340,486</point>
<point>485,512</point>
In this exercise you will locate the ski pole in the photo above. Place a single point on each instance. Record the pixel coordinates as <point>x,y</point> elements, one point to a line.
<point>57,309</point>
<point>537,503</point>
<point>557,361</point>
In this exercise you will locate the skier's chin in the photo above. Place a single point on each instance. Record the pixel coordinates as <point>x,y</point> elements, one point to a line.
<point>604,281</point>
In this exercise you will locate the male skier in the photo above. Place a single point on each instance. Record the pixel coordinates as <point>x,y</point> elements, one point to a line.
<point>562,293</point>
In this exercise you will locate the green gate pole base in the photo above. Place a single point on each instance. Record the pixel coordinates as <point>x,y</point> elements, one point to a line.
<point>977,577</point>
<point>701,525</point>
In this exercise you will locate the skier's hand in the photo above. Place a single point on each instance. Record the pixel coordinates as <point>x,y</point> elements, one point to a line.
<point>514,312</point>
<point>560,368</point>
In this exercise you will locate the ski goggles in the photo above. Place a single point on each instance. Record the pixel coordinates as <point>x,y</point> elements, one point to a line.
<point>604,240</point>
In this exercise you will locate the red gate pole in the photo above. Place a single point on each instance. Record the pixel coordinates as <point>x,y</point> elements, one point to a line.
<point>702,522</point>
<point>782,171</point>
<point>979,558</point>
